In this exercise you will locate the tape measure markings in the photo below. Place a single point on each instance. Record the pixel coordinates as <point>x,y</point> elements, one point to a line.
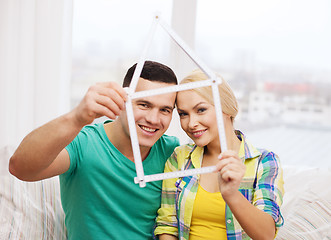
<point>176,88</point>
<point>177,174</point>
<point>219,117</point>
<point>135,143</point>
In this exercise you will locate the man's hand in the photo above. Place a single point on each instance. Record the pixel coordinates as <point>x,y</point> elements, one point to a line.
<point>41,154</point>
<point>102,99</point>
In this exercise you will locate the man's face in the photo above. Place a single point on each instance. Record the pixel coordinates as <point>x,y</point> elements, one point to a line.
<point>152,114</point>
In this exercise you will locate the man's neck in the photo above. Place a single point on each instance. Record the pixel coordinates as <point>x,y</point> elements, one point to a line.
<point>121,141</point>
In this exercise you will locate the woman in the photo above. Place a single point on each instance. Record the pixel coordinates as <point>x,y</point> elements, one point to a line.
<point>209,206</point>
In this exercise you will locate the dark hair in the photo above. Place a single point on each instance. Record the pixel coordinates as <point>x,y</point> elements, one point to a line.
<point>152,71</point>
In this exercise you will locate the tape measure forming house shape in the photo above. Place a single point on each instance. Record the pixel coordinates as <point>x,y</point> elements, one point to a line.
<point>212,81</point>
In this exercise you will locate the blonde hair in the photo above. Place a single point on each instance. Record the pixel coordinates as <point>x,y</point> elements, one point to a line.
<point>228,100</point>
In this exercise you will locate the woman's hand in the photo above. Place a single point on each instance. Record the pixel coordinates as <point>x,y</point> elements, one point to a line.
<point>256,223</point>
<point>231,171</point>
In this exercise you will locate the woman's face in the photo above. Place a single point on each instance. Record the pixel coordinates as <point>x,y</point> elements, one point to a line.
<point>197,117</point>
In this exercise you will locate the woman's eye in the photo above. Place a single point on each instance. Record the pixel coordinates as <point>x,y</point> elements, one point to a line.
<point>182,114</point>
<point>201,110</point>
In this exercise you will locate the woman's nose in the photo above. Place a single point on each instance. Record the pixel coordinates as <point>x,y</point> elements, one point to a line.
<point>193,123</point>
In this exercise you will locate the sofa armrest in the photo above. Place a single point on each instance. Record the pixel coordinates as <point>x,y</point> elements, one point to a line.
<point>307,204</point>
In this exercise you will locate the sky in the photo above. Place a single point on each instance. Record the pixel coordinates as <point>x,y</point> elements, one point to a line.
<point>295,32</point>
<point>284,32</point>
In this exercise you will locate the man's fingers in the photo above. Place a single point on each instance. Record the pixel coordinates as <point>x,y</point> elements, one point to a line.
<point>109,104</point>
<point>114,86</point>
<point>101,110</point>
<point>110,93</point>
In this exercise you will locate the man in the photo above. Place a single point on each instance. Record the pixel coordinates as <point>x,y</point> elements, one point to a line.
<point>95,163</point>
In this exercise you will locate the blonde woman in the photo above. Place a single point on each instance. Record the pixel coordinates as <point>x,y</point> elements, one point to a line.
<point>242,199</point>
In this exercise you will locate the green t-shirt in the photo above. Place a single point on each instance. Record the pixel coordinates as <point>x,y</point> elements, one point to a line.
<point>98,193</point>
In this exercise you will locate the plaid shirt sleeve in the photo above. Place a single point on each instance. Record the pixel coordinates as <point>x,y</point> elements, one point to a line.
<point>166,221</point>
<point>269,189</point>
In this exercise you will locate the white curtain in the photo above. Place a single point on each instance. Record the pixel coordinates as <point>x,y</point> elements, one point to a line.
<point>35,64</point>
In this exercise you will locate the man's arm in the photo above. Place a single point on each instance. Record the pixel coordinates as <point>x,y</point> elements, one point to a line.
<point>42,153</point>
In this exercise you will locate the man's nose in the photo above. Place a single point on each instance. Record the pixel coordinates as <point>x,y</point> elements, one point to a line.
<point>153,116</point>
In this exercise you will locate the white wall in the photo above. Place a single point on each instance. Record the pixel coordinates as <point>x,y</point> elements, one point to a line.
<point>184,26</point>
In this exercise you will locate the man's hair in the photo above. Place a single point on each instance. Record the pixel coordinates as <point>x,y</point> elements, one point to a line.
<point>152,71</point>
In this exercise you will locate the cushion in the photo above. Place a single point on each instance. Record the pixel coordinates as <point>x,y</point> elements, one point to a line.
<point>29,210</point>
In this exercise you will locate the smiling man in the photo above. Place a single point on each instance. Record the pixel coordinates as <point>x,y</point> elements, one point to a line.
<point>95,162</point>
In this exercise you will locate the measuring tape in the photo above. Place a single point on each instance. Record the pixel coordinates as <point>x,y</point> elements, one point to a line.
<point>176,88</point>
<point>177,174</point>
<point>212,81</point>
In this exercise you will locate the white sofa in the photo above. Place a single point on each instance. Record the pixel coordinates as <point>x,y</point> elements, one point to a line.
<point>307,204</point>
<point>33,210</point>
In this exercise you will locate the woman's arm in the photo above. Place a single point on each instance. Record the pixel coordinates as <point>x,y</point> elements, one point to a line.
<point>167,237</point>
<point>255,222</point>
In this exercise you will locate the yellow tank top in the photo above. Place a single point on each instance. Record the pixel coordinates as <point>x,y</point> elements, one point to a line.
<point>208,217</point>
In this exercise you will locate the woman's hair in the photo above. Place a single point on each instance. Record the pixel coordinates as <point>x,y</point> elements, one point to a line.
<point>228,100</point>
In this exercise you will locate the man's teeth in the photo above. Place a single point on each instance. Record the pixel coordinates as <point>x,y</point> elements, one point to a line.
<point>148,129</point>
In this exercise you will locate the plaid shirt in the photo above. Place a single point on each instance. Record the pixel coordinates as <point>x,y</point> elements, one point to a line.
<point>262,185</point>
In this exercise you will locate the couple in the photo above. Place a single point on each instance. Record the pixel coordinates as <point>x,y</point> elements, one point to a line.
<point>96,166</point>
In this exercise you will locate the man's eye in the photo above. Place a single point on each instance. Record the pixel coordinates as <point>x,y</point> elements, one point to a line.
<point>143,105</point>
<point>166,110</point>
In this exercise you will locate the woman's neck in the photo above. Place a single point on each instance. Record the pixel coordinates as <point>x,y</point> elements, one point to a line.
<point>232,141</point>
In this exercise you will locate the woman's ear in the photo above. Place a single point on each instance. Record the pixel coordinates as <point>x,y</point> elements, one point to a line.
<point>227,117</point>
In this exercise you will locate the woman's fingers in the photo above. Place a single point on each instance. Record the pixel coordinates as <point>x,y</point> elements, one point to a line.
<point>230,166</point>
<point>228,154</point>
